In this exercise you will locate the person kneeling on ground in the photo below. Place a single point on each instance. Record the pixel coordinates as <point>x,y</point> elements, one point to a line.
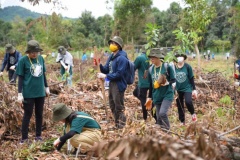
<point>80,128</point>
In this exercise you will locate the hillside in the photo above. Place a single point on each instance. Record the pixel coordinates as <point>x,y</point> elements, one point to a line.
<point>8,13</point>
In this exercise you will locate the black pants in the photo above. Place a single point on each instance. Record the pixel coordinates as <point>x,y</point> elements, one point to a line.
<point>12,76</point>
<point>116,103</point>
<point>180,105</point>
<point>141,94</point>
<point>28,106</point>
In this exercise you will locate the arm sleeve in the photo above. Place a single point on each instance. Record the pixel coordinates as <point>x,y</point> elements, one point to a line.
<point>45,80</point>
<point>18,58</point>
<point>4,62</point>
<point>136,64</point>
<point>192,83</point>
<point>64,138</point>
<point>105,69</point>
<point>20,84</point>
<point>150,83</point>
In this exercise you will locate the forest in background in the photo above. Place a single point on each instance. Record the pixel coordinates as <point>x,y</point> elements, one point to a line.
<point>128,21</point>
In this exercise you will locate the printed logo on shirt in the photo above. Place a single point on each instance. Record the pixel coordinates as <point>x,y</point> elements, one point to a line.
<point>181,77</point>
<point>12,60</point>
<point>36,70</point>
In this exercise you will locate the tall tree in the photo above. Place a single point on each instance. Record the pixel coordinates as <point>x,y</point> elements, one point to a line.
<point>197,16</point>
<point>130,18</point>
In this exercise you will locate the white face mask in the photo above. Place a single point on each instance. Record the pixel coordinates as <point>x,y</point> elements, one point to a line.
<point>180,59</point>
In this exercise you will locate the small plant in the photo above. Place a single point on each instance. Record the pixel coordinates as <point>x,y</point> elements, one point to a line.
<point>47,145</point>
<point>226,101</point>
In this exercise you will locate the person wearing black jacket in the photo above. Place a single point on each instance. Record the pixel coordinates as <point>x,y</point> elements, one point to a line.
<point>10,60</point>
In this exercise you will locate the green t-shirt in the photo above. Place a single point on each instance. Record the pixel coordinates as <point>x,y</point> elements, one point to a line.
<point>183,76</point>
<point>141,63</point>
<point>32,71</point>
<point>163,92</point>
<point>79,122</point>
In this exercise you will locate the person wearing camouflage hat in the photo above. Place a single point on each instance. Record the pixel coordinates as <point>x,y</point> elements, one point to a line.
<point>141,64</point>
<point>65,58</point>
<point>11,59</point>
<point>115,71</point>
<point>185,87</point>
<point>32,88</point>
<point>160,91</point>
<point>80,128</point>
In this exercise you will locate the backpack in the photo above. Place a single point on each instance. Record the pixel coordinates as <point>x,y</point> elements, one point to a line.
<point>130,73</point>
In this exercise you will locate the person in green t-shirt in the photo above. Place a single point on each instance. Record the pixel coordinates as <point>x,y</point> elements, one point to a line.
<point>141,64</point>
<point>185,87</point>
<point>161,81</point>
<point>32,88</point>
<point>80,128</point>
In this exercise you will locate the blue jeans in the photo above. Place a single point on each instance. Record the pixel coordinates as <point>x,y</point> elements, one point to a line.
<point>69,80</point>
<point>162,114</point>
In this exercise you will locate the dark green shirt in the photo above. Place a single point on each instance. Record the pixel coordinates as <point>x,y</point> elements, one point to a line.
<point>141,63</point>
<point>79,122</point>
<point>183,76</point>
<point>32,71</point>
<point>163,92</point>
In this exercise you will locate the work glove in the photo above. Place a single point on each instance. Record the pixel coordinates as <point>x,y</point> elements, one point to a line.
<point>96,61</point>
<point>236,76</point>
<point>47,91</point>
<point>20,98</point>
<point>194,94</point>
<point>56,142</point>
<point>148,104</point>
<point>101,75</point>
<point>1,74</point>
<point>174,85</point>
<point>236,66</point>
<point>236,84</point>
<point>12,67</point>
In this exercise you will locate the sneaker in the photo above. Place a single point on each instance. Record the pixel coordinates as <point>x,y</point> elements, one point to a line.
<point>38,139</point>
<point>23,141</point>
<point>194,117</point>
<point>182,124</point>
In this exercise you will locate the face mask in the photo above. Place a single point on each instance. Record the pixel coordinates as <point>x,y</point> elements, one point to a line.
<point>180,59</point>
<point>113,47</point>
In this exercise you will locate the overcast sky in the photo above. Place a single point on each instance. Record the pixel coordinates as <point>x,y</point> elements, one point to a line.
<point>76,7</point>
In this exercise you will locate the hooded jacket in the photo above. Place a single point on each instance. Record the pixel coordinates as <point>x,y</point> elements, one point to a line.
<point>115,69</point>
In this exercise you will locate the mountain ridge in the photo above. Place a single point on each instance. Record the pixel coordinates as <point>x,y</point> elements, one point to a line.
<point>9,13</point>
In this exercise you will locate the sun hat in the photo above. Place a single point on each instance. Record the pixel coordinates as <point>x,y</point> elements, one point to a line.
<point>155,52</point>
<point>180,54</point>
<point>60,112</point>
<point>33,46</point>
<point>9,48</point>
<point>117,40</point>
<point>61,49</point>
